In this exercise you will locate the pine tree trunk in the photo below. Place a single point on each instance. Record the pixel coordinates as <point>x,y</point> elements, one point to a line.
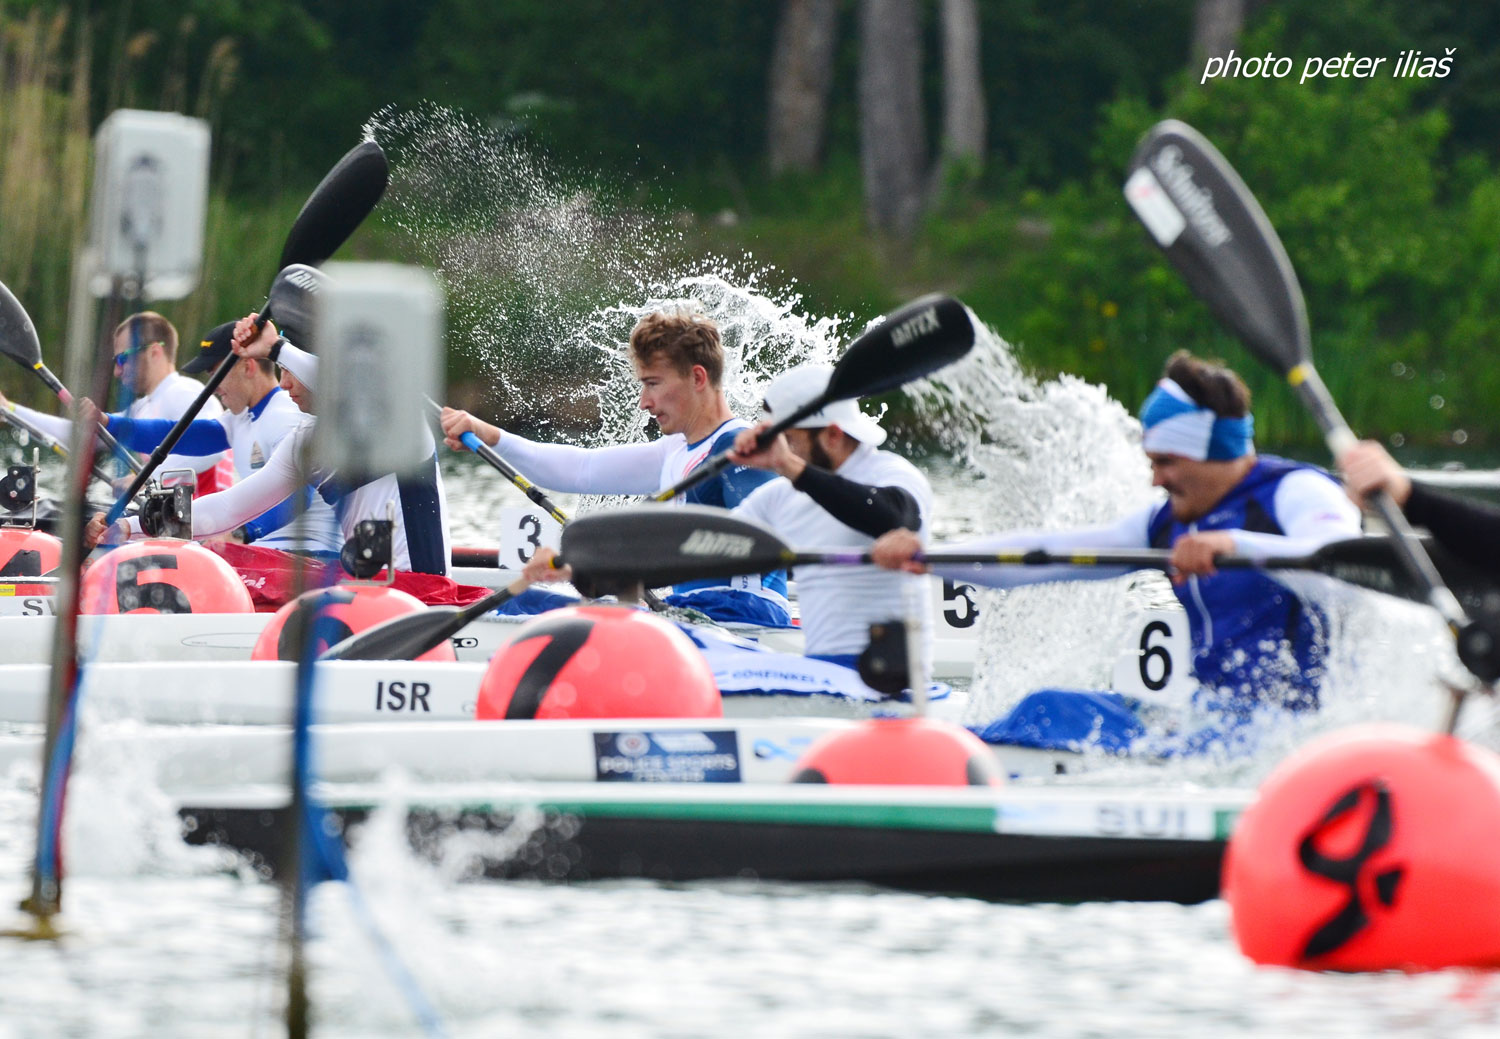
<point>801,74</point>
<point>1217,25</point>
<point>892,137</point>
<point>963,89</point>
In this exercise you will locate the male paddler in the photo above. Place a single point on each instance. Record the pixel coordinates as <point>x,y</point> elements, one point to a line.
<point>679,362</point>
<point>145,350</point>
<point>419,540</point>
<point>837,490</point>
<point>257,414</point>
<point>1255,641</point>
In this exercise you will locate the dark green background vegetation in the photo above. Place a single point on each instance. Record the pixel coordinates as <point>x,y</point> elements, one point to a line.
<point>1386,193</point>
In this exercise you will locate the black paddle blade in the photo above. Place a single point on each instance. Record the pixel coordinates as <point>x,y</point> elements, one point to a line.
<point>656,546</point>
<point>400,638</point>
<point>1375,562</point>
<point>921,337</point>
<point>1206,221</point>
<point>18,338</point>
<point>337,206</point>
<point>293,302</point>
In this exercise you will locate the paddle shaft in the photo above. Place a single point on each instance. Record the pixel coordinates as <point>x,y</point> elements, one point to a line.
<point>51,443</point>
<point>56,386</point>
<point>1314,395</point>
<point>170,440</point>
<point>718,463</point>
<point>410,635</point>
<point>505,469</point>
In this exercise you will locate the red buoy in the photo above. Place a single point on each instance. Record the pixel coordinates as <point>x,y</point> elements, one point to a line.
<point>1374,848</point>
<point>162,575</point>
<point>352,609</point>
<point>599,662</point>
<point>28,553</point>
<point>900,752</point>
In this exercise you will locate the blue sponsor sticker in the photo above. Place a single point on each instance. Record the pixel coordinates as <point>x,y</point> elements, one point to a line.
<point>667,756</point>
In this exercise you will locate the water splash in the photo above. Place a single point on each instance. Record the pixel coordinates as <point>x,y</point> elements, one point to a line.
<point>546,274</point>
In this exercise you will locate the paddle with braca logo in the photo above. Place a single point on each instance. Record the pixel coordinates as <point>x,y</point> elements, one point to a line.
<point>642,543</point>
<point>19,342</point>
<point>921,337</point>
<point>337,206</point>
<point>1209,226</point>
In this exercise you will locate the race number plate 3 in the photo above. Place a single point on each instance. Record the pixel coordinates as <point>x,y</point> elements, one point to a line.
<point>522,532</point>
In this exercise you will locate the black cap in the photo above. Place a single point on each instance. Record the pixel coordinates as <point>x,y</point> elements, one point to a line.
<point>212,348</point>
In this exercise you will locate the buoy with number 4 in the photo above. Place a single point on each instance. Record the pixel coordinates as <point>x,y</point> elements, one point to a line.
<point>25,552</point>
<point>162,575</point>
<point>599,662</point>
<point>1374,848</point>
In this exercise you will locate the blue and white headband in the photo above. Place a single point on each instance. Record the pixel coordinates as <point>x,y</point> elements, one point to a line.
<point>1175,424</point>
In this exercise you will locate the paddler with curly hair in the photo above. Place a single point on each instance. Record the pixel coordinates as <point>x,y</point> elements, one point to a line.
<point>679,360</point>
<point>1255,641</point>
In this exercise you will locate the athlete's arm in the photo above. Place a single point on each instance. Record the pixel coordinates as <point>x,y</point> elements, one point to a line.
<point>204,436</point>
<point>1311,509</point>
<point>259,492</point>
<point>1469,529</point>
<point>621,469</point>
<point>869,510</point>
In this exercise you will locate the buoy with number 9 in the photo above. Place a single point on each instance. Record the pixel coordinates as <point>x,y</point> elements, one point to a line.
<point>162,575</point>
<point>28,553</point>
<point>353,608</point>
<point>1373,848</point>
<point>599,662</point>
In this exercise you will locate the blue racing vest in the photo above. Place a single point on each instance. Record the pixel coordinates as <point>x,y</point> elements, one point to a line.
<point>1254,640</point>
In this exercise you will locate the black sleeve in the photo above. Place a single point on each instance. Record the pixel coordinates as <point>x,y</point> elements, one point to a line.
<point>869,510</point>
<point>1469,529</point>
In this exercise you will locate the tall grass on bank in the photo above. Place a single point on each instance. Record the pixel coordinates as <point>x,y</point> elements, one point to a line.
<point>46,130</point>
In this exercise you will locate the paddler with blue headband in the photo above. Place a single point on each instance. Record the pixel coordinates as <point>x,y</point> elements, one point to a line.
<point>1255,641</point>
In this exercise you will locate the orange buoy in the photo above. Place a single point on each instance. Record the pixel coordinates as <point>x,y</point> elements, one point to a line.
<point>599,662</point>
<point>162,575</point>
<point>28,553</point>
<point>1374,848</point>
<point>900,752</point>
<point>353,608</point>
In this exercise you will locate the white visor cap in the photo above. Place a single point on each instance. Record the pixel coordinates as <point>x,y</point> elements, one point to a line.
<point>796,386</point>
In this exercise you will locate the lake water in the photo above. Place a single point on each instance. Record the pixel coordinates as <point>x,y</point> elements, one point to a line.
<point>163,940</point>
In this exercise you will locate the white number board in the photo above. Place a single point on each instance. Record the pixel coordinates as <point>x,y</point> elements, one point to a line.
<point>1155,660</point>
<point>25,601</point>
<point>523,531</point>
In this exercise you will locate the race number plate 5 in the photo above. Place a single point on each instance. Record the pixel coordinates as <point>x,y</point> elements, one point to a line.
<point>522,532</point>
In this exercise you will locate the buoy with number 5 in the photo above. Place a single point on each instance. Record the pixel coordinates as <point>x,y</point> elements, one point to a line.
<point>162,575</point>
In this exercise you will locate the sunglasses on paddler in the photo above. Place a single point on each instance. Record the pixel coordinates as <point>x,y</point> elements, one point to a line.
<point>127,354</point>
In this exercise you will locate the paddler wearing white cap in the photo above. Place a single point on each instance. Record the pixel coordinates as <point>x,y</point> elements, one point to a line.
<point>838,490</point>
<point>1254,639</point>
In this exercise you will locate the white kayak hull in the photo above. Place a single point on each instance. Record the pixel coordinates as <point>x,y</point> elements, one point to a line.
<point>261,693</point>
<point>231,636</point>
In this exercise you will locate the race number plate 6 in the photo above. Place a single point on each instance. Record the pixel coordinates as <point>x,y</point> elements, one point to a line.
<point>1155,658</point>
